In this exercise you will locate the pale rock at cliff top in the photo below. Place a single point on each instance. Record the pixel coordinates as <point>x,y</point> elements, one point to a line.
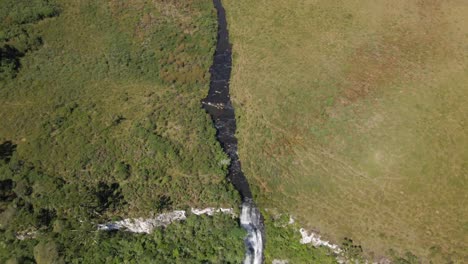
<point>147,225</point>
<point>316,241</point>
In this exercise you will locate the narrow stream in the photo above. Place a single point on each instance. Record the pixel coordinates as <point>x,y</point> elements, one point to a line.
<point>218,105</point>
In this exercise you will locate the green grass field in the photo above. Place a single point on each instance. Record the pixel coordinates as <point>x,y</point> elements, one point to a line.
<point>100,118</point>
<point>353,118</point>
<point>112,94</point>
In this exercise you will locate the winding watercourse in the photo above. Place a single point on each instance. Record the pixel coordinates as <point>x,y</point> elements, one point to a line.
<point>218,104</point>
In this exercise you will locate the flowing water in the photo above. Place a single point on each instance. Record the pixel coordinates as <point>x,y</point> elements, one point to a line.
<point>251,220</point>
<point>218,105</point>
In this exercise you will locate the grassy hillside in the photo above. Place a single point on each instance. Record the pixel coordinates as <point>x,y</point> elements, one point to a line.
<point>100,117</point>
<point>352,117</point>
<point>112,95</point>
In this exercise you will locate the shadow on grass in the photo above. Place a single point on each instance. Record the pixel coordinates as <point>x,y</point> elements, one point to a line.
<point>6,150</point>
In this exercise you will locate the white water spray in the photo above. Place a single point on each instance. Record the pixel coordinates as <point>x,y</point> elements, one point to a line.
<point>250,220</point>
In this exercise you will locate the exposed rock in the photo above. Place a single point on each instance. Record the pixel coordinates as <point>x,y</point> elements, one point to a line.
<point>142,225</point>
<point>147,225</point>
<point>316,241</point>
<point>279,261</point>
<point>212,211</point>
<point>27,234</point>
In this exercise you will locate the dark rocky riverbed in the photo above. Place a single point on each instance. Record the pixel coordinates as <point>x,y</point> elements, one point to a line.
<point>218,104</point>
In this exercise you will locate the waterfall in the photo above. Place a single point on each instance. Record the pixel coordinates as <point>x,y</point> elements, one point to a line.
<point>251,221</point>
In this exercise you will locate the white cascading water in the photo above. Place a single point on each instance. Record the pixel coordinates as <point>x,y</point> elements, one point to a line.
<point>250,220</point>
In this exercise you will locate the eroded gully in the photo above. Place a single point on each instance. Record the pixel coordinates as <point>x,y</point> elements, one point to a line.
<point>218,104</point>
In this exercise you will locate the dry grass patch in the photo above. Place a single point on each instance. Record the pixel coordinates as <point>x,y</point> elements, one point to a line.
<point>353,118</point>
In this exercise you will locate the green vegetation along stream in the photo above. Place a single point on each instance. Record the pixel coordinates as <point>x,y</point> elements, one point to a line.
<point>100,118</point>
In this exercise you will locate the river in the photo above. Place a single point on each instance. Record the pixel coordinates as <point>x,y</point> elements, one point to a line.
<point>218,104</point>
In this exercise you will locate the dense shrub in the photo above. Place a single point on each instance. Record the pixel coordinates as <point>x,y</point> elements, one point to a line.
<point>16,37</point>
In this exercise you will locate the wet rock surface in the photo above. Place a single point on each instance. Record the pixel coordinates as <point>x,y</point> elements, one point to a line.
<point>218,104</point>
